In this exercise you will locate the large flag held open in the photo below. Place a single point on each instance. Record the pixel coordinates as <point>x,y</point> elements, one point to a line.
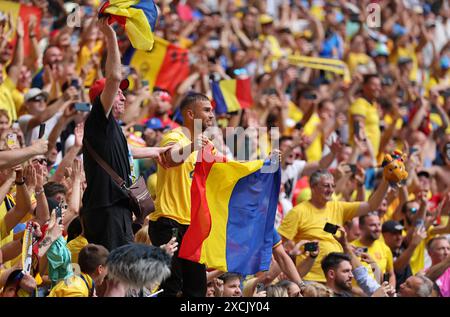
<point>232,216</point>
<point>166,66</point>
<point>232,95</point>
<point>138,17</point>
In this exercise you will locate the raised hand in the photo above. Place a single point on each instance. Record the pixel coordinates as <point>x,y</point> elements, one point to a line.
<point>79,133</point>
<point>40,146</point>
<point>171,247</point>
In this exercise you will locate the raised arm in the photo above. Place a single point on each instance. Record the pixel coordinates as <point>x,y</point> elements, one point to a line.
<point>375,200</point>
<point>17,62</point>
<point>70,156</point>
<point>12,158</point>
<point>113,72</point>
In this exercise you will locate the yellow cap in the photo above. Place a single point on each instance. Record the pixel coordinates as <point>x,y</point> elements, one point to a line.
<point>265,19</point>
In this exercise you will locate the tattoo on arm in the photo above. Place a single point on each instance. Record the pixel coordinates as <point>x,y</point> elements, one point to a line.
<point>45,242</point>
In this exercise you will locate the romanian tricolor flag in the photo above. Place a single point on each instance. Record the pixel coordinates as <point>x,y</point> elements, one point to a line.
<point>232,215</point>
<point>137,17</point>
<point>232,95</point>
<point>26,13</point>
<point>166,66</point>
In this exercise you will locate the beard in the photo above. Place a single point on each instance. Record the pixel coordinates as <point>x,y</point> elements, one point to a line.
<point>346,286</point>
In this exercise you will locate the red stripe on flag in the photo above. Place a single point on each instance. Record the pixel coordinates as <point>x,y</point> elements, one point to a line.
<point>244,92</point>
<point>174,69</point>
<point>198,231</point>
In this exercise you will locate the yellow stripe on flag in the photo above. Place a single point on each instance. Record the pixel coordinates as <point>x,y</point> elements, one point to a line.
<point>137,26</point>
<point>148,64</point>
<point>228,88</point>
<point>222,179</point>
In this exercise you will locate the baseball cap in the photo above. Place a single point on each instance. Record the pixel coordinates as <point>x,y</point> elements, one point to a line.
<point>265,19</point>
<point>392,226</point>
<point>154,124</point>
<point>35,92</point>
<point>98,86</point>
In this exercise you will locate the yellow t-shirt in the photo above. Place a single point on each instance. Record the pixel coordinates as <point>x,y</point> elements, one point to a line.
<point>314,150</point>
<point>173,185</point>
<point>74,286</point>
<point>7,100</point>
<point>75,247</point>
<point>417,261</point>
<point>408,51</point>
<point>84,57</point>
<point>355,59</point>
<point>381,253</point>
<point>306,222</point>
<point>362,107</point>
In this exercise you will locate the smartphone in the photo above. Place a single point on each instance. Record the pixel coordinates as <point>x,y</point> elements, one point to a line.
<point>352,168</point>
<point>260,287</point>
<point>138,128</point>
<point>41,130</point>
<point>58,211</point>
<point>11,139</point>
<point>144,82</point>
<point>74,83</point>
<point>386,277</point>
<point>311,246</point>
<point>360,250</point>
<point>174,232</point>
<point>329,227</point>
<point>356,129</point>
<point>82,106</point>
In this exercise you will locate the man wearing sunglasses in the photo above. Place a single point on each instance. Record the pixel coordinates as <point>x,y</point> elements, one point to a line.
<point>38,111</point>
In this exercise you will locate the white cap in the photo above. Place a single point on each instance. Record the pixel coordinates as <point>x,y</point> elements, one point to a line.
<point>34,92</point>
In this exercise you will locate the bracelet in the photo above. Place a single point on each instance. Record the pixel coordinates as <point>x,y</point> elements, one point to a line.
<point>302,285</point>
<point>38,192</point>
<point>20,183</point>
<point>313,257</point>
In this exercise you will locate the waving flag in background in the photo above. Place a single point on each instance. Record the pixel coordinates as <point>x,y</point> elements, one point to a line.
<point>166,66</point>
<point>26,13</point>
<point>232,216</point>
<point>138,17</point>
<point>232,95</point>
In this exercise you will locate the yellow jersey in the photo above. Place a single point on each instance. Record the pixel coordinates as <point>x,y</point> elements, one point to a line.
<point>73,286</point>
<point>75,247</point>
<point>380,252</point>
<point>362,107</point>
<point>306,222</point>
<point>173,185</point>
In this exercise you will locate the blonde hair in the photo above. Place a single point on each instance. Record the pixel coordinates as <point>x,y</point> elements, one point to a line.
<point>276,291</point>
<point>314,289</point>
<point>142,236</point>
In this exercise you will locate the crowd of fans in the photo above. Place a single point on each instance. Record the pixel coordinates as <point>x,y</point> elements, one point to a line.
<point>389,239</point>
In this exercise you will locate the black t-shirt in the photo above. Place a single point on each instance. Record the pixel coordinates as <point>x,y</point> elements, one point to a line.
<point>106,137</point>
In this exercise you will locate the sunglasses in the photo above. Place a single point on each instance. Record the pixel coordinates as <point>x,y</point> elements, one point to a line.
<point>40,161</point>
<point>37,98</point>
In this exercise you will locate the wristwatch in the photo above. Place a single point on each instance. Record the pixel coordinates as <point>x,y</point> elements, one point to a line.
<point>20,182</point>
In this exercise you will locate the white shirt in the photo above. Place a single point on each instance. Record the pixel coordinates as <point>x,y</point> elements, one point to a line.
<point>290,175</point>
<point>33,134</point>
